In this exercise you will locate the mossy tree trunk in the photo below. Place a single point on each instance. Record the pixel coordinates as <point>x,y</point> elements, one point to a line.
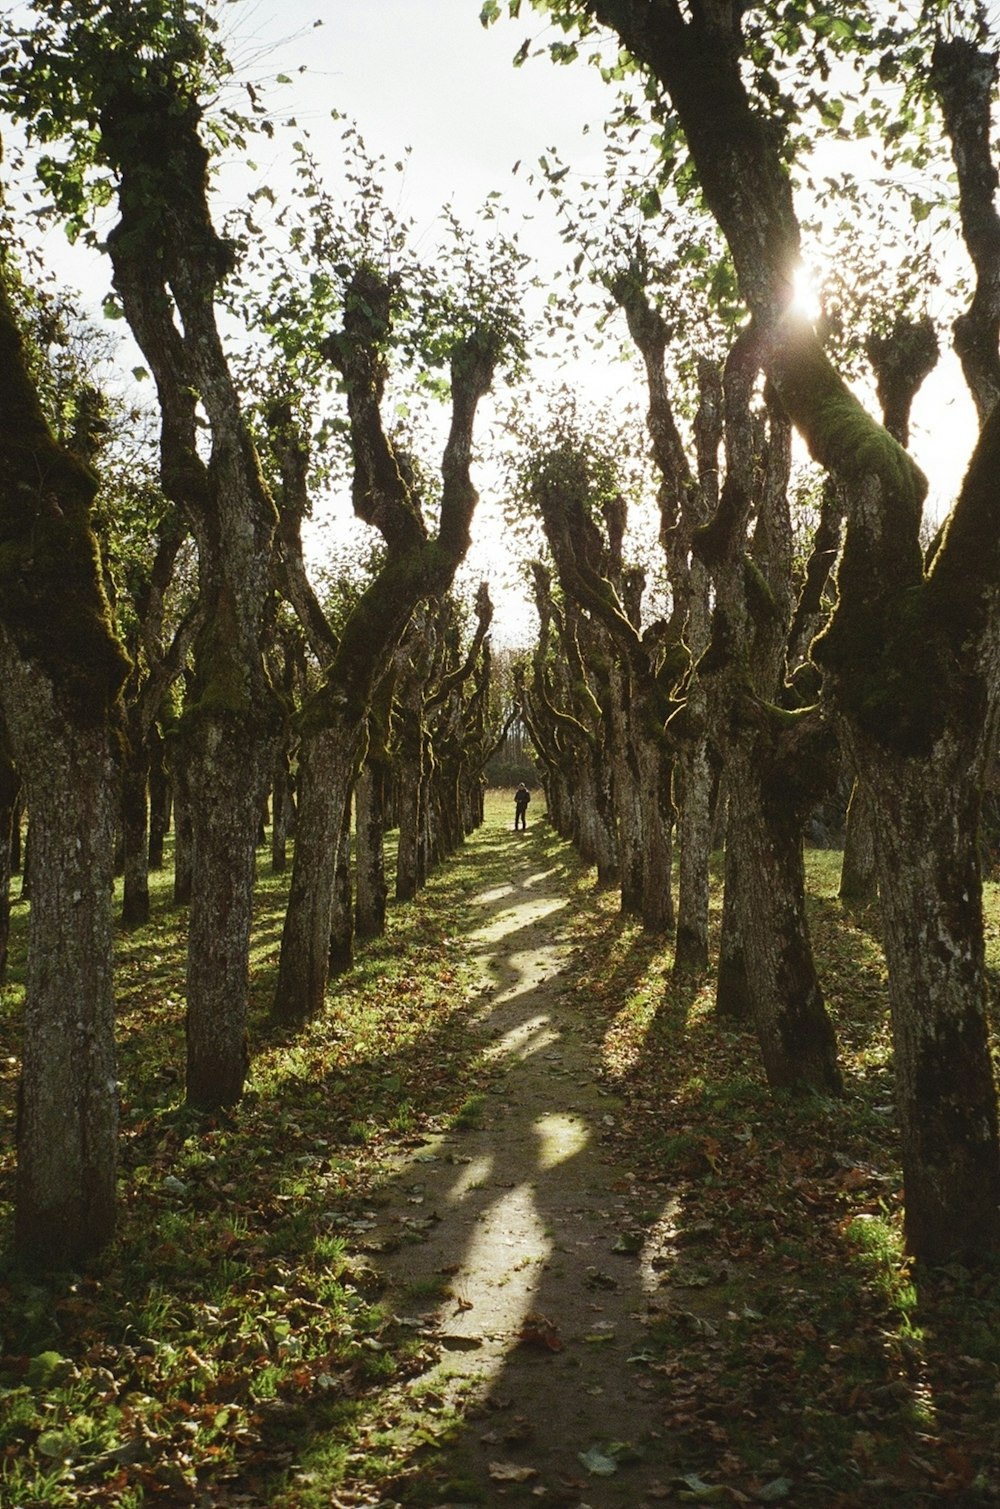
<point>160,796</point>
<point>930,889</point>
<point>61,672</point>
<point>168,262</point>
<point>135,829</point>
<point>898,628</point>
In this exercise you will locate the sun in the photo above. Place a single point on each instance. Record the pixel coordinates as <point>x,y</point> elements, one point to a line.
<point>806,301</point>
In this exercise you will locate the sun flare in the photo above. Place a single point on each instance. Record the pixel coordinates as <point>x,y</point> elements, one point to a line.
<point>806,301</point>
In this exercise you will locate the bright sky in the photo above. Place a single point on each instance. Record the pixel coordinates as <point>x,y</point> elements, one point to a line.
<point>424,74</point>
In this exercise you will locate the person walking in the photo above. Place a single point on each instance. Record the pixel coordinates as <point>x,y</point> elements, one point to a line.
<point>522,796</point>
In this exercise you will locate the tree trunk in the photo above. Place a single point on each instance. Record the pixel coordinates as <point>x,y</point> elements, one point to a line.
<point>372,890</point>
<point>693,774</point>
<point>9,809</point>
<point>654,763</point>
<point>159,796</point>
<point>226,770</point>
<point>858,871</point>
<point>327,764</point>
<point>927,822</point>
<point>135,829</point>
<point>341,955</point>
<point>68,1101</point>
<point>796,1037</point>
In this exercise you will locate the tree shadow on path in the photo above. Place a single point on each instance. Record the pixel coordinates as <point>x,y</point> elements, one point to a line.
<point>531,1275</point>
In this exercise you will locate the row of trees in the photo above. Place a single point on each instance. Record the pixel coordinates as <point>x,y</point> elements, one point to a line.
<point>892,659</point>
<point>768,667</point>
<point>114,96</point>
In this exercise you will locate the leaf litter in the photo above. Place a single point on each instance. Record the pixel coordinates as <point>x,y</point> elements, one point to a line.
<point>240,1342</point>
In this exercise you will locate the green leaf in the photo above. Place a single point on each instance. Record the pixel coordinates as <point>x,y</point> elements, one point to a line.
<point>56,1443</point>
<point>696,1490</point>
<point>597,1463</point>
<point>778,1488</point>
<point>43,1368</point>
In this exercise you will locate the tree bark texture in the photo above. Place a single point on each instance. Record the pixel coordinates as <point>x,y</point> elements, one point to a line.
<point>371,889</point>
<point>797,1041</point>
<point>341,951</point>
<point>135,829</point>
<point>227,771</point>
<point>859,870</point>
<point>327,763</point>
<point>61,673</point>
<point>68,1102</point>
<point>932,928</point>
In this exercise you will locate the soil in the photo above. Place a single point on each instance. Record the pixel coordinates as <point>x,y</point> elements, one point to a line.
<point>535,1263</point>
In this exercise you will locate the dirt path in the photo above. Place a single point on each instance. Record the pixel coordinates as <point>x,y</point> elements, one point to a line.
<point>529,1232</point>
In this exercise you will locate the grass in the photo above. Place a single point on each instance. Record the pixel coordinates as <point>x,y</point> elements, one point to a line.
<point>813,1354</point>
<point>234,1345</point>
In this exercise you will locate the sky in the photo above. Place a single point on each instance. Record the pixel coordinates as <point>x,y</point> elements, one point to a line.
<point>425,75</point>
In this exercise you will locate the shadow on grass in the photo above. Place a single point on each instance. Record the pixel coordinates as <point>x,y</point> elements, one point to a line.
<point>239,1290</point>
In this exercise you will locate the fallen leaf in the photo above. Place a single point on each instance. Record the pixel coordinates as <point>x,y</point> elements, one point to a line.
<point>538,1331</point>
<point>696,1490</point>
<point>511,1472</point>
<point>597,1463</point>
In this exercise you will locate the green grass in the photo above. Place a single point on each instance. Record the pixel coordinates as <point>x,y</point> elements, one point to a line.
<point>235,1337</point>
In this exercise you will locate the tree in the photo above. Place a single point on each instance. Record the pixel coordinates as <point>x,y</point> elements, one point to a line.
<point>123,83</point>
<point>61,672</point>
<point>569,485</point>
<point>417,565</point>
